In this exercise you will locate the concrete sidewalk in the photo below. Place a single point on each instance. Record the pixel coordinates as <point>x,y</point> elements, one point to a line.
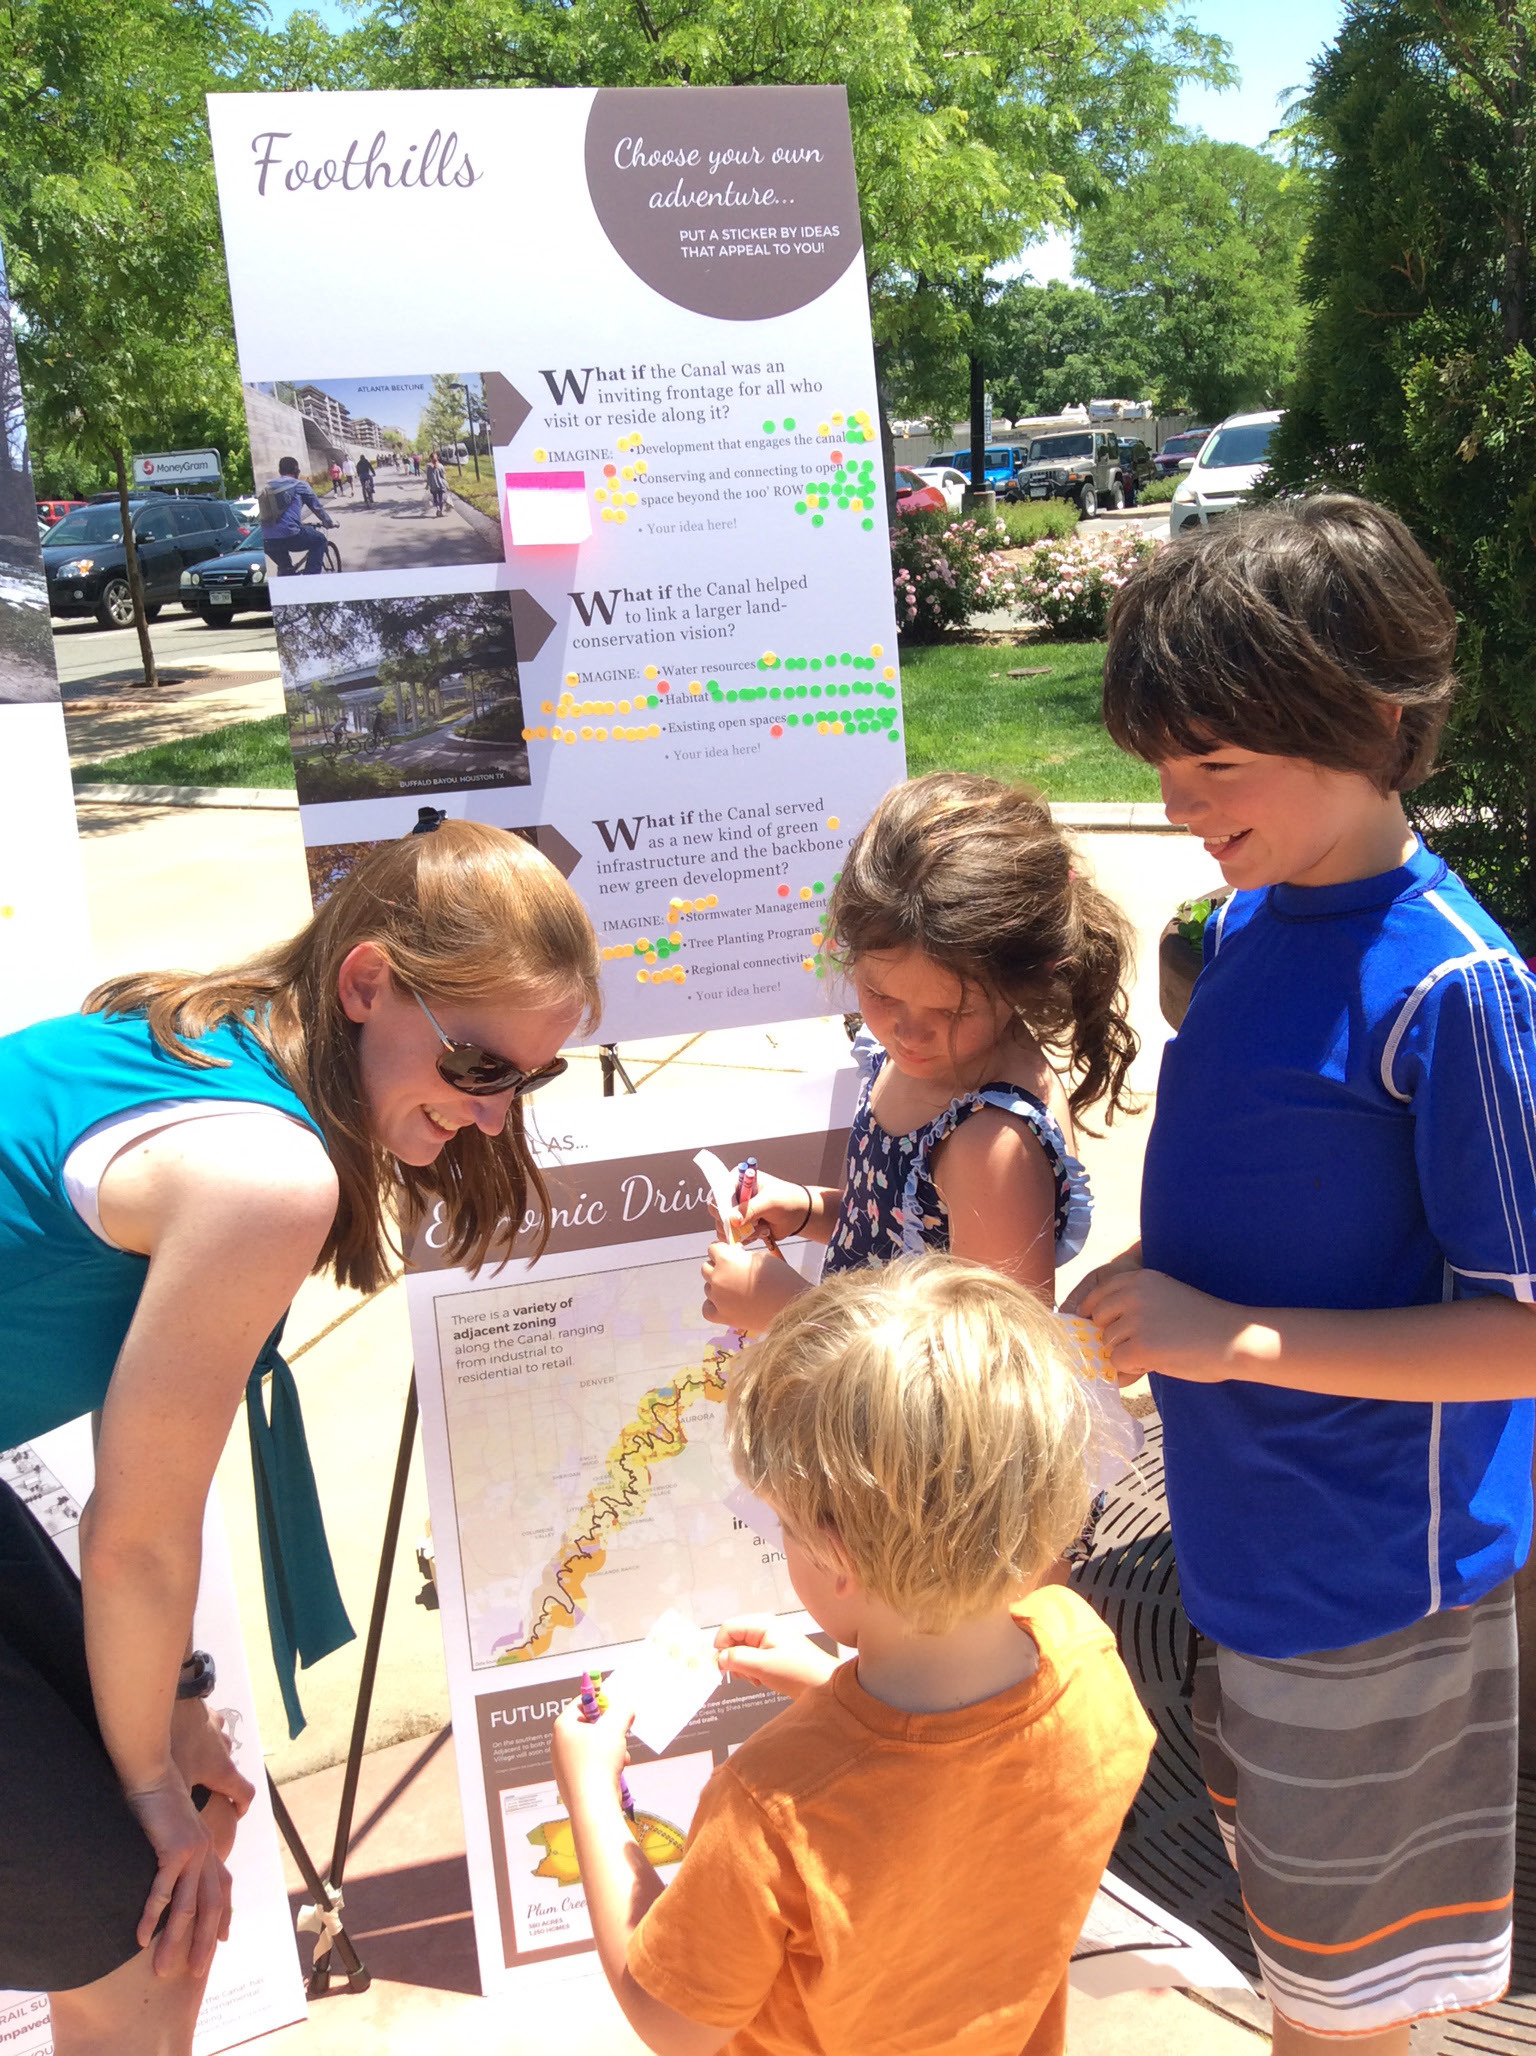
<point>197,887</point>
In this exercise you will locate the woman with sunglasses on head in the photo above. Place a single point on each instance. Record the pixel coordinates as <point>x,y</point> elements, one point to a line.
<point>174,1161</point>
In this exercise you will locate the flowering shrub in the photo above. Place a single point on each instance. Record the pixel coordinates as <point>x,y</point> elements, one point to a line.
<point>1065,587</point>
<point>945,570</point>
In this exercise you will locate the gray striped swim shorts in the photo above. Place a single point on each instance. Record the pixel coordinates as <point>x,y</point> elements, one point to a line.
<point>1367,1798</point>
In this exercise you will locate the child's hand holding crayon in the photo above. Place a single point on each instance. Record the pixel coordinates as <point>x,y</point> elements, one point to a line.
<point>771,1208</point>
<point>590,1748</point>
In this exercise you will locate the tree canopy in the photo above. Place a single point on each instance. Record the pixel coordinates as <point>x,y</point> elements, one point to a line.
<point>110,224</point>
<point>1417,380</point>
<point>1198,257</point>
<point>1059,345</point>
<point>977,125</point>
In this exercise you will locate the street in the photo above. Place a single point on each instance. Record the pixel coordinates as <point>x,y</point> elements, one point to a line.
<point>400,531</point>
<point>88,655</point>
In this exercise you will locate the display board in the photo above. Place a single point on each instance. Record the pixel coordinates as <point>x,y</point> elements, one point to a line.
<point>45,938</point>
<point>573,1421</point>
<point>640,605</point>
<point>255,1984</point>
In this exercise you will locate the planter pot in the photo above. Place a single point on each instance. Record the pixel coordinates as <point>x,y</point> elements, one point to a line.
<point>1178,966</point>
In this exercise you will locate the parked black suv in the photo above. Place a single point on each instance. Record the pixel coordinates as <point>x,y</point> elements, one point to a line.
<point>87,565</point>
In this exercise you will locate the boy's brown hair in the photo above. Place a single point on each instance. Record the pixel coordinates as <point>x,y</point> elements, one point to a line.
<point>1292,630</point>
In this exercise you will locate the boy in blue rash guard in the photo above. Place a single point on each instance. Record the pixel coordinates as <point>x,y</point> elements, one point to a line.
<point>1333,1289</point>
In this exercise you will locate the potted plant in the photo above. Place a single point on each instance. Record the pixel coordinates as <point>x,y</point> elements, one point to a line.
<point>1179,954</point>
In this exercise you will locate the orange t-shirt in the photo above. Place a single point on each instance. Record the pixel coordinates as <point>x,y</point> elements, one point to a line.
<point>857,1877</point>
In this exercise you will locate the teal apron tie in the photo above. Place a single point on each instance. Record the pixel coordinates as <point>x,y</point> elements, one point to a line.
<point>305,1616</point>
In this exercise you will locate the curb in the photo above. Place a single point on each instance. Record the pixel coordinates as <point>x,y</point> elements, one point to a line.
<point>1146,817</point>
<point>489,531</point>
<point>263,797</point>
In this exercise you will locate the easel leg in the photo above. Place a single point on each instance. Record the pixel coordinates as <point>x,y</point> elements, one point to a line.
<point>321,1975</point>
<point>358,1976</point>
<point>613,1067</point>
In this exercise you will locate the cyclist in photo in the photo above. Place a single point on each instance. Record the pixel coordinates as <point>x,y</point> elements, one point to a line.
<point>281,502</point>
<point>365,479</point>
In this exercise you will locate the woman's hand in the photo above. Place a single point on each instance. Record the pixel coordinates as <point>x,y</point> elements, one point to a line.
<point>744,1288</point>
<point>191,1887</point>
<point>200,1751</point>
<point>755,1646</point>
<point>590,1754</point>
<point>1150,1322</point>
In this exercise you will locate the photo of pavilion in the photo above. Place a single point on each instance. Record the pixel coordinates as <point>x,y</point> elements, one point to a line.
<point>415,695</point>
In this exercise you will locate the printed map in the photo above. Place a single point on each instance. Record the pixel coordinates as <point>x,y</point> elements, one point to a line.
<point>586,1435</point>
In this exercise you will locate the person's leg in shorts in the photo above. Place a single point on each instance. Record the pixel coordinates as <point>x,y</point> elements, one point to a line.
<point>1367,1798</point>
<point>75,1866</point>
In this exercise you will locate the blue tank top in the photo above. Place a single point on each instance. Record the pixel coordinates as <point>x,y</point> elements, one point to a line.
<point>67,1297</point>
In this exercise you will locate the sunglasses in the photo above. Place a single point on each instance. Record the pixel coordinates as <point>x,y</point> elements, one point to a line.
<point>480,1072</point>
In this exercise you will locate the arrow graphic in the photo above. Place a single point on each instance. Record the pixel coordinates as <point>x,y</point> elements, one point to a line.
<point>531,626</point>
<point>506,409</point>
<point>549,842</point>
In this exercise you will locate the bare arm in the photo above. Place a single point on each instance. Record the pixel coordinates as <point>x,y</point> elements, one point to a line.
<point>619,1880</point>
<point>230,1232</point>
<point>1466,1349</point>
<point>1000,1190</point>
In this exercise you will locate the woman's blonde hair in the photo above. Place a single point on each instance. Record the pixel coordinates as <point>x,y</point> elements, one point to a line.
<point>927,1415</point>
<point>976,875</point>
<point>468,913</point>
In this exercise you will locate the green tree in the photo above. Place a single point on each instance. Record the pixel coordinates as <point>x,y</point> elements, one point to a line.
<point>1198,257</point>
<point>109,221</point>
<point>1417,383</point>
<point>442,423</point>
<point>976,126</point>
<point>1060,345</point>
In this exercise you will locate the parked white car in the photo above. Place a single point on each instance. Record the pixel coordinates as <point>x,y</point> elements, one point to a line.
<point>1232,460</point>
<point>951,483</point>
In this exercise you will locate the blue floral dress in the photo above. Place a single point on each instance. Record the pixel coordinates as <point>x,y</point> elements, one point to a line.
<point>891,1206</point>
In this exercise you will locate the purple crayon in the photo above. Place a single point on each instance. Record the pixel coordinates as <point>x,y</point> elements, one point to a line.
<point>594,1705</point>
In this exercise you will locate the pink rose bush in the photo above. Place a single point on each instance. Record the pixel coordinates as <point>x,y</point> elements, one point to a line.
<point>945,570</point>
<point>1064,587</point>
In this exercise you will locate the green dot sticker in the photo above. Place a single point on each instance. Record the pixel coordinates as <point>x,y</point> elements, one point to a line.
<point>767,428</point>
<point>789,421</point>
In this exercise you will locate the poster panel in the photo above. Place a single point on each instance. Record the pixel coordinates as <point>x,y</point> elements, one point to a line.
<point>572,1419</point>
<point>256,1984</point>
<point>584,381</point>
<point>45,938</point>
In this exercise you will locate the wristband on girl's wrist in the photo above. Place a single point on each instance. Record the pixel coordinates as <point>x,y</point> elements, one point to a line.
<point>810,1208</point>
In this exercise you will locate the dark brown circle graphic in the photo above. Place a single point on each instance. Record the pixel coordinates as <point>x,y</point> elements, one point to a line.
<point>735,201</point>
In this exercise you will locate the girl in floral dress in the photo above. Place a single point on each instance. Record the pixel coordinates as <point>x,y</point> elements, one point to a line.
<point>991,976</point>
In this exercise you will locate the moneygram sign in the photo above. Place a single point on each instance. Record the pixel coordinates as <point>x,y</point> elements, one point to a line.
<point>178,467</point>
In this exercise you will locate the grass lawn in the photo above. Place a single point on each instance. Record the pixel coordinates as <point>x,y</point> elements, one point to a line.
<point>1030,521</point>
<point>245,753</point>
<point>964,713</point>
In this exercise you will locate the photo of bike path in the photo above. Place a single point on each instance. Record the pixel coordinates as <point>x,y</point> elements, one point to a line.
<point>400,531</point>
